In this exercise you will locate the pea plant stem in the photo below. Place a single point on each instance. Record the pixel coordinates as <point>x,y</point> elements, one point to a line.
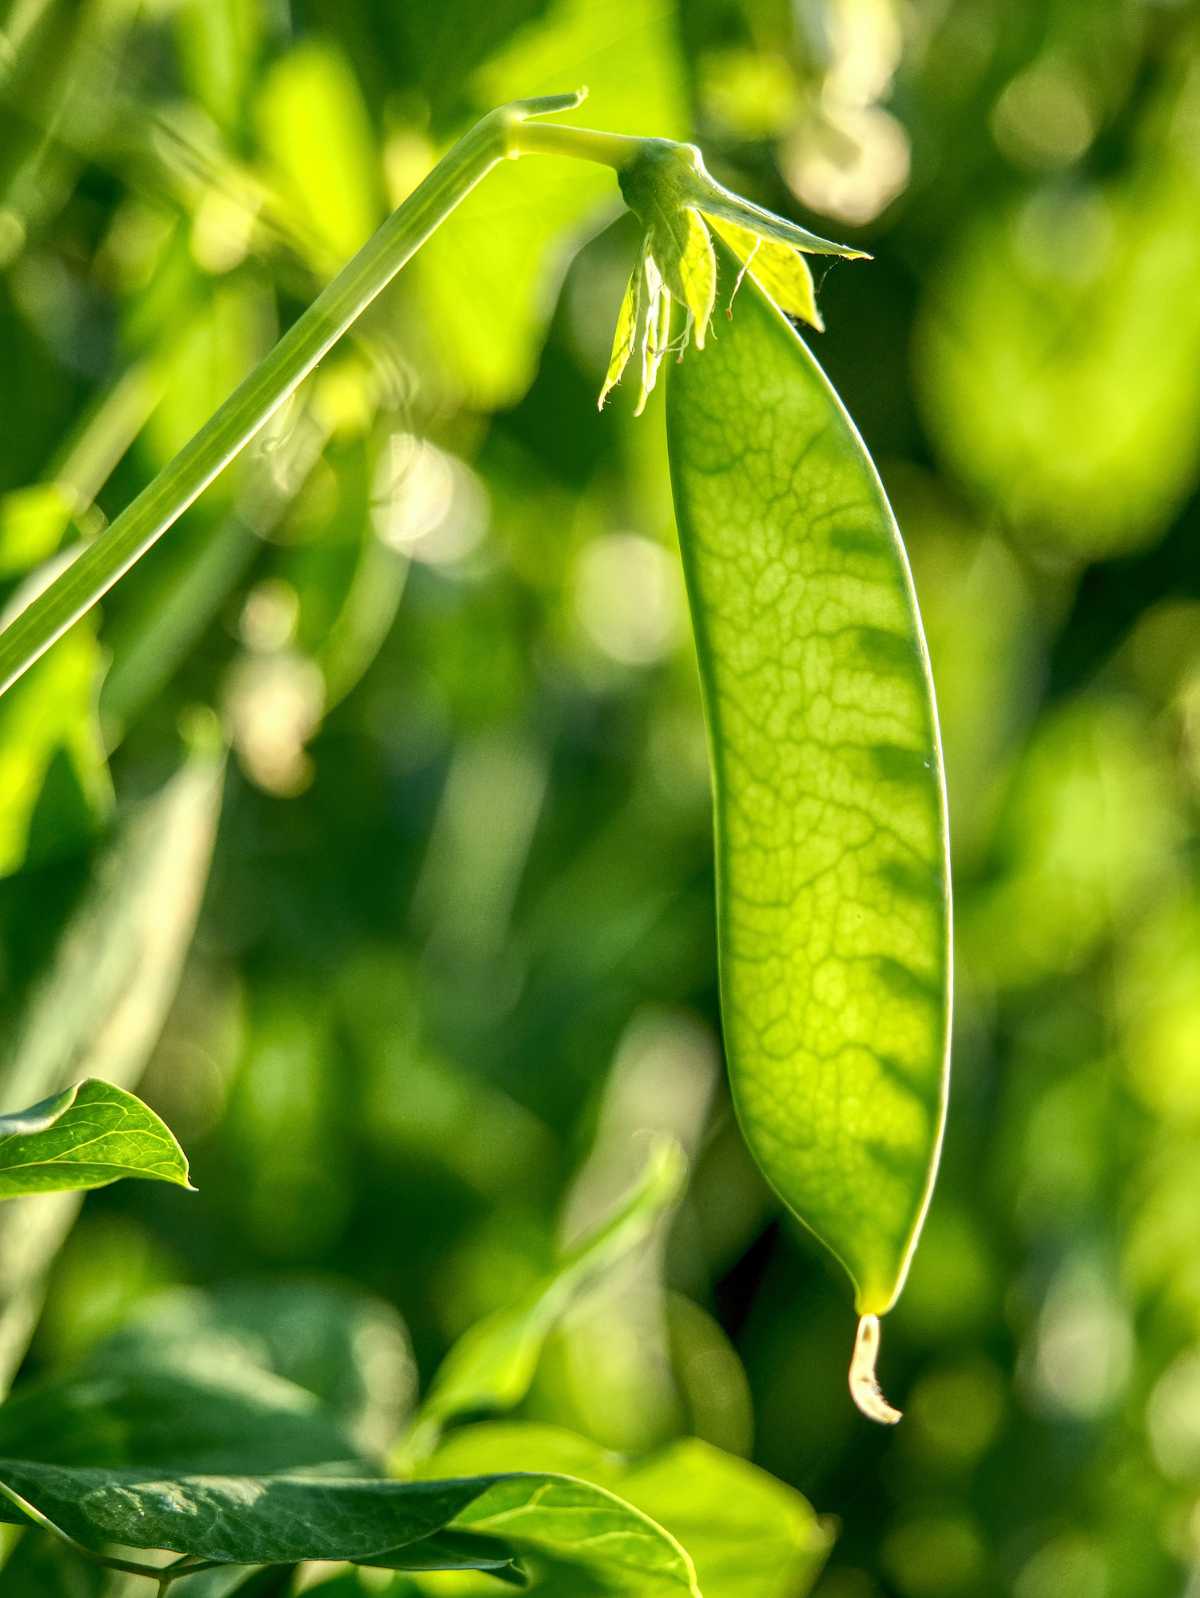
<point>502,134</point>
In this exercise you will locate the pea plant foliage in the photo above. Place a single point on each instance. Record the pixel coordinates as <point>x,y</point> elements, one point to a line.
<point>157,1459</point>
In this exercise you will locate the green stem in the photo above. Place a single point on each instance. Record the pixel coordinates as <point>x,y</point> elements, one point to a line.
<point>617,150</point>
<point>501,135</point>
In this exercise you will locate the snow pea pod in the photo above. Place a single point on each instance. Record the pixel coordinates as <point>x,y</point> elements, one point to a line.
<point>829,801</point>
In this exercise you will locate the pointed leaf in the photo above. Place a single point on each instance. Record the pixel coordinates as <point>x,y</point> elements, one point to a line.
<point>87,1137</point>
<point>747,1533</point>
<point>716,201</point>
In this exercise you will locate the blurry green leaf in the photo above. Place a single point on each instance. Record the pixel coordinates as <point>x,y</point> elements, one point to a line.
<point>85,1137</point>
<point>749,1535</point>
<point>348,580</point>
<point>1087,833</point>
<point>484,280</point>
<point>830,809</point>
<point>218,42</point>
<point>32,523</point>
<point>250,1380</point>
<point>493,1364</point>
<point>98,1005</point>
<point>54,782</point>
<point>315,131</point>
<point>1031,349</point>
<point>43,1567</point>
<point>282,1520</point>
<point>211,1413</point>
<point>710,1377</point>
<point>346,1348</point>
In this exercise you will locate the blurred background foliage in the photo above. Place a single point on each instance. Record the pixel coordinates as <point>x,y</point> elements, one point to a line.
<point>456,951</point>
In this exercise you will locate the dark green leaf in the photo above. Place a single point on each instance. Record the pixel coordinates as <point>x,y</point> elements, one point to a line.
<point>344,1347</point>
<point>287,1519</point>
<point>249,1380</point>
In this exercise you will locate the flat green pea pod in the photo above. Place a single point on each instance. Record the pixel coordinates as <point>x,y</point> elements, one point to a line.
<point>830,815</point>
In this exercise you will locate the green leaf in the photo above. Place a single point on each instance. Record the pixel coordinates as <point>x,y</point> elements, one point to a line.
<point>258,1378</point>
<point>316,132</point>
<point>97,1007</point>
<point>215,1401</point>
<point>346,1351</point>
<point>1053,305</point>
<point>833,891</point>
<point>486,281</point>
<point>267,1520</point>
<point>88,1136</point>
<point>54,784</point>
<point>779,270</point>
<point>493,1364</point>
<point>33,521</point>
<point>749,1535</point>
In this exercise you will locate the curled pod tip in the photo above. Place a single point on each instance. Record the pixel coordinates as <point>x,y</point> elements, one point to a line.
<point>864,1384</point>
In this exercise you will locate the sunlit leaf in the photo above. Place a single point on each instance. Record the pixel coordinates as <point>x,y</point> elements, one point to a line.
<point>748,1534</point>
<point>32,523</point>
<point>314,126</point>
<point>655,331</point>
<point>88,1136</point>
